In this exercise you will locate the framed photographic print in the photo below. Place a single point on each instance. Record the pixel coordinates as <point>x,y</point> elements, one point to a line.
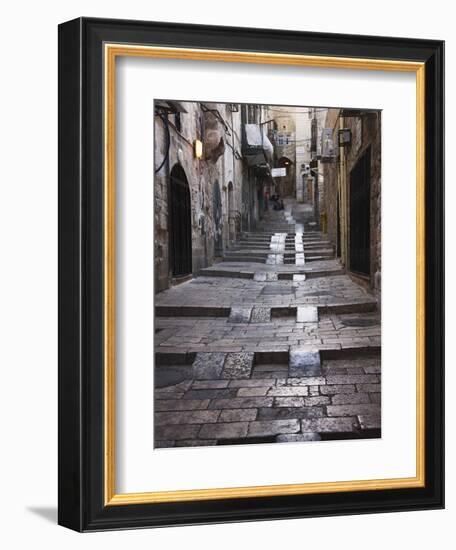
<point>250,274</point>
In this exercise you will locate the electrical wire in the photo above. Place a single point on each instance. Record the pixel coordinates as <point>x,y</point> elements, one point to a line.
<point>164,119</point>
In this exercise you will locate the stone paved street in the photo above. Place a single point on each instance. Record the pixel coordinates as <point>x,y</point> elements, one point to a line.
<point>275,343</point>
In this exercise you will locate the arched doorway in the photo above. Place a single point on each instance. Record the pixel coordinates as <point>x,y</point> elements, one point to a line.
<point>181,223</point>
<point>287,183</point>
<point>217,211</point>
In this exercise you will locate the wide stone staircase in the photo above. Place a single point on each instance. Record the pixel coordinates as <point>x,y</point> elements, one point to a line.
<point>274,343</point>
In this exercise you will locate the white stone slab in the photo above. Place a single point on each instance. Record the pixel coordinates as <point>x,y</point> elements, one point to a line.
<point>299,259</point>
<point>307,314</point>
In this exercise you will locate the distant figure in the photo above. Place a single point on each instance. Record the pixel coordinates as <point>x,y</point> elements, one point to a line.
<point>277,202</point>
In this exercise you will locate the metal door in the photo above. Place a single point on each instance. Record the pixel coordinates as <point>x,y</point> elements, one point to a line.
<point>360,190</point>
<point>181,224</point>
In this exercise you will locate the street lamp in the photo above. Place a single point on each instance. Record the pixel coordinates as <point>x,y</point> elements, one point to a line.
<point>198,148</point>
<point>344,137</point>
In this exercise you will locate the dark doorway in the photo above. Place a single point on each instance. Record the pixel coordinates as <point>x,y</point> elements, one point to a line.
<point>181,223</point>
<point>360,188</point>
<point>217,210</point>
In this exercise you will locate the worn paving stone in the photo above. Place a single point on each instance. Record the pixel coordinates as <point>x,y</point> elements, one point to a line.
<point>273,427</point>
<point>226,393</point>
<point>238,365</point>
<point>282,413</point>
<point>187,417</point>
<point>252,392</point>
<point>260,315</point>
<point>282,391</point>
<point>325,425</point>
<point>295,438</point>
<point>253,382</point>
<point>201,394</point>
<point>350,399</point>
<point>241,403</point>
<point>372,369</point>
<point>371,421</point>
<point>304,363</point>
<point>307,314</point>
<point>375,397</point>
<point>224,430</point>
<point>209,384</point>
<point>175,432</point>
<point>169,395</point>
<point>289,402</point>
<point>351,379</point>
<point>277,290</point>
<point>304,381</point>
<point>273,374</point>
<point>238,415</point>
<point>338,388</point>
<point>208,365</point>
<point>240,315</point>
<point>171,375</point>
<point>180,404</point>
<point>351,410</point>
<point>316,400</point>
<point>371,388</point>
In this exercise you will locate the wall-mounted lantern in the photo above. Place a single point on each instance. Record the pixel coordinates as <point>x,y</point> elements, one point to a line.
<point>345,137</point>
<point>198,148</point>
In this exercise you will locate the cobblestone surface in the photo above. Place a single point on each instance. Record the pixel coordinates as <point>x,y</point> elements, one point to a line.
<point>267,352</point>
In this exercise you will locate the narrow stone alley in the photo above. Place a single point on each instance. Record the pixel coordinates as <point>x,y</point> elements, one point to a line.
<point>273,343</point>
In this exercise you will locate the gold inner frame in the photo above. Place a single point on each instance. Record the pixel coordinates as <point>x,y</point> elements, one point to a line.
<point>111,52</point>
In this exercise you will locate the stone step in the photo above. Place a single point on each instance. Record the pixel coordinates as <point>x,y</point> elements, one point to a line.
<point>242,313</point>
<point>312,258</point>
<point>286,275</point>
<point>245,258</point>
<point>328,357</point>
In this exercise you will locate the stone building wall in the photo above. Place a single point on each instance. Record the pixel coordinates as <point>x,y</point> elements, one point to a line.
<point>285,146</point>
<point>210,180</point>
<point>365,133</point>
<point>331,178</point>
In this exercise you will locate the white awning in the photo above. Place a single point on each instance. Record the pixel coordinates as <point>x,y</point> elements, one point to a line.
<point>256,137</point>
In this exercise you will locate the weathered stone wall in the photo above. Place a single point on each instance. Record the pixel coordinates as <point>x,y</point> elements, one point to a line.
<point>330,172</point>
<point>220,167</point>
<point>286,126</point>
<point>365,133</point>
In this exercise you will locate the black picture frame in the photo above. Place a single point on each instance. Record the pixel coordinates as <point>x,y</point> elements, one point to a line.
<point>81,428</point>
